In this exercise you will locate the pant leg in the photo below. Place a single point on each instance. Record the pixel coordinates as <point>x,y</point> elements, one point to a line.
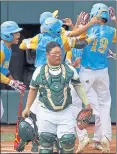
<point>87,78</point>
<point>45,121</point>
<point>92,97</point>
<point>66,124</point>
<point>77,107</point>
<point>101,86</point>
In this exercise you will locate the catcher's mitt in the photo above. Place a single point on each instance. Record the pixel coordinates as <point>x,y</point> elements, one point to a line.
<point>83,118</point>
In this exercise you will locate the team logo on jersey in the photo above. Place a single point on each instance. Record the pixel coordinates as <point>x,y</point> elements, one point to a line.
<point>87,81</point>
<point>6,64</point>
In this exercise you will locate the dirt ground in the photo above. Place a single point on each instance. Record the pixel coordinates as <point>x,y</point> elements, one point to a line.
<point>7,146</point>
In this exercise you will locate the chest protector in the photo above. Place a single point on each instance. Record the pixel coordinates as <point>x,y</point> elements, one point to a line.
<point>54,89</point>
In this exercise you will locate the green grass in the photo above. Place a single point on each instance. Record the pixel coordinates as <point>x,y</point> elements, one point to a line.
<point>113,136</point>
<point>11,136</point>
<point>7,137</point>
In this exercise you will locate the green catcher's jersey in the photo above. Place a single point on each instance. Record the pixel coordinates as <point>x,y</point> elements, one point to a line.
<point>53,86</point>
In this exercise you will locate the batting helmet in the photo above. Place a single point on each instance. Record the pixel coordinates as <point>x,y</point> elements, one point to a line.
<point>7,29</point>
<point>53,26</point>
<point>100,10</point>
<point>46,15</point>
<point>26,130</point>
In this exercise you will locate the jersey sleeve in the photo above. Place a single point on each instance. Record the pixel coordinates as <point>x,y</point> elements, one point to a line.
<point>4,79</point>
<point>33,83</point>
<point>30,43</point>
<point>68,42</point>
<point>2,56</point>
<point>69,55</point>
<point>75,75</point>
<point>82,36</point>
<point>114,37</point>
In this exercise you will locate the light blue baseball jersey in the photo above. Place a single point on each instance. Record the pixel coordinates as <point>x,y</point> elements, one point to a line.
<point>43,40</point>
<point>95,54</point>
<point>76,53</point>
<point>6,53</point>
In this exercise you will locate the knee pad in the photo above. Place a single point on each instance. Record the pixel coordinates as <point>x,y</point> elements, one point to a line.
<point>46,141</point>
<point>67,143</point>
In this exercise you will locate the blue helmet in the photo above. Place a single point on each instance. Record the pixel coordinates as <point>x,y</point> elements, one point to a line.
<point>46,15</point>
<point>7,29</point>
<point>99,10</point>
<point>53,26</point>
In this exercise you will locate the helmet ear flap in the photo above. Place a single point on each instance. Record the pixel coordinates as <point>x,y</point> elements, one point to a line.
<point>7,37</point>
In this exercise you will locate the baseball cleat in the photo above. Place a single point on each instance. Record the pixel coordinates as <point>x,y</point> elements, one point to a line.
<point>83,143</point>
<point>106,145</point>
<point>97,146</point>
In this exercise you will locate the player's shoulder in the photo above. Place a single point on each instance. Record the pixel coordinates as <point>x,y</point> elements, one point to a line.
<point>36,72</point>
<point>70,67</point>
<point>75,75</point>
<point>109,29</point>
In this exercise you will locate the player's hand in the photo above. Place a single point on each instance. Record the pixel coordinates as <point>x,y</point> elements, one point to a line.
<point>88,106</point>
<point>94,35</point>
<point>67,21</point>
<point>76,63</point>
<point>112,13</point>
<point>26,113</point>
<point>18,86</point>
<point>83,18</point>
<point>95,20</point>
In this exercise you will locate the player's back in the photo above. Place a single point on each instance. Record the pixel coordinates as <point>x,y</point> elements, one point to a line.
<point>5,56</point>
<point>95,53</point>
<point>76,54</point>
<point>43,40</point>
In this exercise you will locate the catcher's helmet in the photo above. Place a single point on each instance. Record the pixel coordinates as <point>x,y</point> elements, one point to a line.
<point>26,130</point>
<point>7,29</point>
<point>100,10</point>
<point>53,26</point>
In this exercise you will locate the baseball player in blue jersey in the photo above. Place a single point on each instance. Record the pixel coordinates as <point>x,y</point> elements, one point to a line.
<point>76,55</point>
<point>94,69</point>
<point>9,35</point>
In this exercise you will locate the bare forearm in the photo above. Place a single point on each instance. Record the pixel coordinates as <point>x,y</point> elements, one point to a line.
<point>72,27</point>
<point>10,77</point>
<point>79,31</point>
<point>31,97</point>
<point>4,79</point>
<point>114,20</point>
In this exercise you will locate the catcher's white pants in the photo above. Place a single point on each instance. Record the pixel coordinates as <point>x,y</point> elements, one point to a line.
<point>59,123</point>
<point>99,81</point>
<point>1,109</point>
<point>77,106</point>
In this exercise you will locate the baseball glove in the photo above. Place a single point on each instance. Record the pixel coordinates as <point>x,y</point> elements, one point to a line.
<point>84,118</point>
